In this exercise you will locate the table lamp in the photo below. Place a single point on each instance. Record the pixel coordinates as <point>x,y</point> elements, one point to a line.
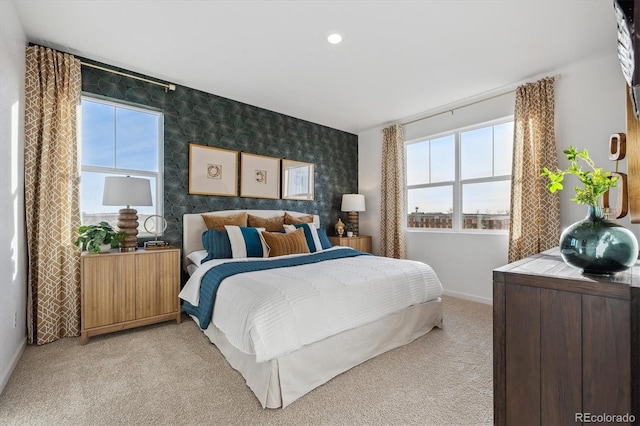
<point>353,203</point>
<point>127,191</point>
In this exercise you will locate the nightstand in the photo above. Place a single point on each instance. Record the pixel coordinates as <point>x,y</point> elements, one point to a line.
<point>361,242</point>
<point>126,290</point>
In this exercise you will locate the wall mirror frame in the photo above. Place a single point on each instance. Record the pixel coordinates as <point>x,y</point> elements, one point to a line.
<point>297,180</point>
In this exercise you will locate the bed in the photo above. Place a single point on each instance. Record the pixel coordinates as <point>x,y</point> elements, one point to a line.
<point>341,310</point>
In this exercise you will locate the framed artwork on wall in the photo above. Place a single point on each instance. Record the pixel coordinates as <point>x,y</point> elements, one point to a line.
<point>213,171</point>
<point>297,180</point>
<point>260,176</point>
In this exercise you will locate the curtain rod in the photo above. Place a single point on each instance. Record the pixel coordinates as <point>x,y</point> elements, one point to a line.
<point>167,86</point>
<point>555,77</point>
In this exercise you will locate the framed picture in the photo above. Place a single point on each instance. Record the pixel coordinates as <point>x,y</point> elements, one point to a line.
<point>212,171</point>
<point>260,176</point>
<point>297,180</point>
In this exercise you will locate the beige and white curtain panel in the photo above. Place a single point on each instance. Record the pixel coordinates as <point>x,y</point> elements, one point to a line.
<point>392,192</point>
<point>52,95</point>
<point>535,212</point>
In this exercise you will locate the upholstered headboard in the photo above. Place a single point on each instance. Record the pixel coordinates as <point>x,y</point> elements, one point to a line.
<point>194,226</point>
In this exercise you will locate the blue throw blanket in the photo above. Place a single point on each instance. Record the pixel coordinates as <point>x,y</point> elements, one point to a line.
<point>214,276</point>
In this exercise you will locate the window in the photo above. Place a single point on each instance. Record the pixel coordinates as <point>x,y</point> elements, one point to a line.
<point>118,139</point>
<point>461,180</point>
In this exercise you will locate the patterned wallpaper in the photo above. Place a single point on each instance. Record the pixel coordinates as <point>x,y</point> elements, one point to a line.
<point>193,116</point>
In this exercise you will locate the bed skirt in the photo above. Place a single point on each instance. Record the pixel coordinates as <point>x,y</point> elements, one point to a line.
<point>279,382</point>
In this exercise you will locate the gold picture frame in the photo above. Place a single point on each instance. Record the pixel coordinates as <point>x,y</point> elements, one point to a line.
<point>297,180</point>
<point>213,171</point>
<point>259,176</point>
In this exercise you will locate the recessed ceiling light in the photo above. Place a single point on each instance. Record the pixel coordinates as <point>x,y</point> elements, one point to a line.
<point>334,38</point>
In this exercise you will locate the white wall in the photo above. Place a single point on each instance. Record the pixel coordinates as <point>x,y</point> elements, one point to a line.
<point>590,106</point>
<point>13,288</point>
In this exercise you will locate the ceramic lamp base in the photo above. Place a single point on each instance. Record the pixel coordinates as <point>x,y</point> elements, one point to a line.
<point>128,223</point>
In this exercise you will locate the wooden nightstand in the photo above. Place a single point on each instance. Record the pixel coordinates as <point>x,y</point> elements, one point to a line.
<point>361,242</point>
<point>126,290</point>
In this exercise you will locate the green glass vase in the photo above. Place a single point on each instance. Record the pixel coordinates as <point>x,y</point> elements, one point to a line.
<point>598,246</point>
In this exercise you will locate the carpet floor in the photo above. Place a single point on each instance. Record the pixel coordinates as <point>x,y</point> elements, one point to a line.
<point>168,374</point>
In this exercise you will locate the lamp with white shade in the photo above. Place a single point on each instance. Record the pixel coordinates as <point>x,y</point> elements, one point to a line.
<point>353,203</point>
<point>127,191</point>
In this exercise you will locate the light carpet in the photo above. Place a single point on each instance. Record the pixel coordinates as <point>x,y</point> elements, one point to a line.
<point>169,374</point>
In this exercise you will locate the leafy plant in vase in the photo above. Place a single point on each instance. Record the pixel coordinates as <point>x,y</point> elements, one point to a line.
<point>98,238</point>
<point>594,244</point>
<point>349,228</point>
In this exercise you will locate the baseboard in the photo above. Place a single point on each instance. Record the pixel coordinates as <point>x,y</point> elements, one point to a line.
<point>6,375</point>
<point>471,297</point>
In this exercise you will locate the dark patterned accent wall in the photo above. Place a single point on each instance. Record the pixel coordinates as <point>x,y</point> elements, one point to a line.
<point>193,116</point>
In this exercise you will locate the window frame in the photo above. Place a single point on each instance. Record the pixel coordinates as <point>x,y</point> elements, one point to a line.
<point>458,183</point>
<point>115,171</point>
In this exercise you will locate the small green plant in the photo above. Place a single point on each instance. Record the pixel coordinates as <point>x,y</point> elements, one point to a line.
<point>596,181</point>
<point>349,227</point>
<point>91,237</point>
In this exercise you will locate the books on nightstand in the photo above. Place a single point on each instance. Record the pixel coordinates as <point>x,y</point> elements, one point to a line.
<point>156,245</point>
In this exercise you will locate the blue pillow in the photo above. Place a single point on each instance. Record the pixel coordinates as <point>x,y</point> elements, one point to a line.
<point>324,239</point>
<point>217,245</point>
<point>246,242</point>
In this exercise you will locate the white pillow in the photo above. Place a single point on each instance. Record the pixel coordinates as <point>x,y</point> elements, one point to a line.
<point>246,242</point>
<point>310,234</point>
<point>197,256</point>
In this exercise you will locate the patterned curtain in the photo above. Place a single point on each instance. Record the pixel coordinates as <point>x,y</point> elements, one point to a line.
<point>393,214</point>
<point>52,93</point>
<point>535,212</point>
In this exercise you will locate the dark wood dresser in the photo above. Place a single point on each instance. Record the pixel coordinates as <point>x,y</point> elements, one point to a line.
<point>566,346</point>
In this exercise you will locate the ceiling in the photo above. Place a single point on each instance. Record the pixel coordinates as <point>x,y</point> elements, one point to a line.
<point>398,58</point>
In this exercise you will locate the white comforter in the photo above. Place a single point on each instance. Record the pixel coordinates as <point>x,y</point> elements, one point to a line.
<point>277,311</point>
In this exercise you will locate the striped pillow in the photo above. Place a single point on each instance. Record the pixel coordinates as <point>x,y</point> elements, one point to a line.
<point>324,239</point>
<point>246,242</point>
<point>310,234</point>
<point>282,244</point>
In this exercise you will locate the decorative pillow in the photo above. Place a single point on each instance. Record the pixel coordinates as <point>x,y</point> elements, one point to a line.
<point>218,222</point>
<point>246,242</point>
<point>310,234</point>
<point>281,244</point>
<point>197,256</point>
<point>271,224</point>
<point>217,245</point>
<point>324,239</point>
<point>292,220</point>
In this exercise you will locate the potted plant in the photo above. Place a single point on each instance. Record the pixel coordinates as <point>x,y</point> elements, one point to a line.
<point>349,228</point>
<point>98,238</point>
<point>596,181</point>
<point>595,245</point>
